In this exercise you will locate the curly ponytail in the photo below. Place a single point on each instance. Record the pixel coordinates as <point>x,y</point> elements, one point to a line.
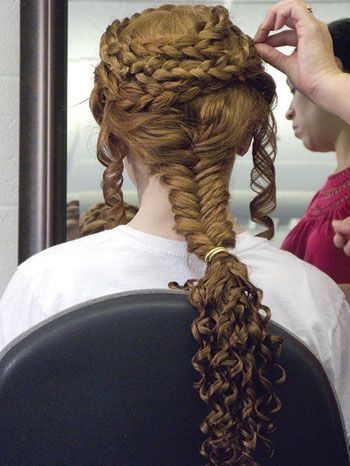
<point>181,87</point>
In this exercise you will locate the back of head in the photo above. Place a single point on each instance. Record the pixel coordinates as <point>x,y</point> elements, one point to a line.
<point>340,32</point>
<point>180,87</point>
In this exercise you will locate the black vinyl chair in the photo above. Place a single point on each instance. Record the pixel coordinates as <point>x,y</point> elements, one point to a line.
<point>109,382</point>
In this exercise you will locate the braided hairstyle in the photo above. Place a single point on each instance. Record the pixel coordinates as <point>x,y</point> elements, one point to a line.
<point>181,87</point>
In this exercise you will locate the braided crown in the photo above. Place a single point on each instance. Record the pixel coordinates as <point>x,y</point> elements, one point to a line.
<point>160,72</point>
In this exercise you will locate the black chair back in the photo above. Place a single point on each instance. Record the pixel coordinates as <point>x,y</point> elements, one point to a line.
<point>110,383</point>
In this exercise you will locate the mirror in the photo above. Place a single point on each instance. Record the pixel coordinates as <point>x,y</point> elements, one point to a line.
<point>300,173</point>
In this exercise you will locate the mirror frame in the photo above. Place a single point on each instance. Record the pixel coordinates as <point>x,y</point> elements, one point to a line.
<point>43,125</point>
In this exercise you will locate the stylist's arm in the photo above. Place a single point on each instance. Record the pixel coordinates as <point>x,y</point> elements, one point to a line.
<point>312,68</point>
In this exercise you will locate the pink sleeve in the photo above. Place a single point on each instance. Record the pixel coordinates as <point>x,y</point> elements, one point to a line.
<point>322,253</point>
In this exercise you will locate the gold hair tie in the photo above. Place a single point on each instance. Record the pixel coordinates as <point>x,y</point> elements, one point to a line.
<point>212,253</point>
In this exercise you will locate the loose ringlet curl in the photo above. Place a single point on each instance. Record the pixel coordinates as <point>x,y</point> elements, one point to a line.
<point>180,87</point>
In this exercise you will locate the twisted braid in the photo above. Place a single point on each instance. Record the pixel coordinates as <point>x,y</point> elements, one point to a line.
<point>111,151</point>
<point>262,178</point>
<point>182,95</point>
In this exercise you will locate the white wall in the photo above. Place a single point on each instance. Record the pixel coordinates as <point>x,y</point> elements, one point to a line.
<point>9,129</point>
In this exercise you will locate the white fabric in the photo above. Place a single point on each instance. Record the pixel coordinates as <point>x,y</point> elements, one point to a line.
<point>301,298</point>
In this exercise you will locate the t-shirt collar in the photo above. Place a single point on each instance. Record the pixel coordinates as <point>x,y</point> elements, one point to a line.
<point>244,241</point>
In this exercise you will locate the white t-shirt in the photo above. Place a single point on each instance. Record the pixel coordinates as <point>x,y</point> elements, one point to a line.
<point>301,298</point>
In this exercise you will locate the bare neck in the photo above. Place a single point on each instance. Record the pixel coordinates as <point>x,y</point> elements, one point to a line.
<point>155,215</point>
<point>342,148</point>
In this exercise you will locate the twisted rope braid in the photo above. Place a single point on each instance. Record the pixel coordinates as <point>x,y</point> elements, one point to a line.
<point>262,177</point>
<point>182,101</point>
<point>111,152</point>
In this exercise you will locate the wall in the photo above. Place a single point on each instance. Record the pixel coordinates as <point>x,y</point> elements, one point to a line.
<point>9,129</point>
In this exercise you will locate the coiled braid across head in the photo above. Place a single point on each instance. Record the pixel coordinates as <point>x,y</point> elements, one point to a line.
<point>181,87</point>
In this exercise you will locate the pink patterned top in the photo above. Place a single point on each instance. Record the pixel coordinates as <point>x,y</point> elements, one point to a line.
<point>312,237</point>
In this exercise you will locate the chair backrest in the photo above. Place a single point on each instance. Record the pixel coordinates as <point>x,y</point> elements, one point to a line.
<point>110,383</point>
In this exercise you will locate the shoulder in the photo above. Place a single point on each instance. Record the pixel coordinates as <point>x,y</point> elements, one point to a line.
<point>76,253</point>
<point>63,255</point>
<point>75,271</point>
<point>58,278</point>
<point>295,287</point>
<point>289,269</point>
<point>302,298</point>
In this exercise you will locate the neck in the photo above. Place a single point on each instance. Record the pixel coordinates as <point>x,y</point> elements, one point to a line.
<point>342,148</point>
<point>155,215</point>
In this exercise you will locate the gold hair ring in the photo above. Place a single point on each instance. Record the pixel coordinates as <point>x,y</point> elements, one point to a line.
<point>212,253</point>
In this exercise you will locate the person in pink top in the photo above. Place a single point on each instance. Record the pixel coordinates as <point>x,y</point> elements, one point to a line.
<point>321,131</point>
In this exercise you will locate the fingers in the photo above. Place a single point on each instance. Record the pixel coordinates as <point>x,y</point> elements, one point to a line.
<point>342,226</point>
<point>265,27</point>
<point>342,242</point>
<point>284,13</point>
<point>347,248</point>
<point>283,38</point>
<point>273,57</point>
<point>339,240</point>
<point>342,236</point>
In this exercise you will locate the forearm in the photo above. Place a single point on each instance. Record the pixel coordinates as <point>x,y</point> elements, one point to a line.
<point>335,96</point>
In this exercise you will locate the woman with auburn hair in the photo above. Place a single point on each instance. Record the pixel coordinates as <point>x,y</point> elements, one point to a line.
<point>180,92</point>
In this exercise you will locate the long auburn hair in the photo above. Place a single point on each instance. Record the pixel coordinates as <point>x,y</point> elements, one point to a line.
<point>181,87</point>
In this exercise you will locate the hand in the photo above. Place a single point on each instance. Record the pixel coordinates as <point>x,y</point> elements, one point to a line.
<point>311,66</point>
<point>342,234</point>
